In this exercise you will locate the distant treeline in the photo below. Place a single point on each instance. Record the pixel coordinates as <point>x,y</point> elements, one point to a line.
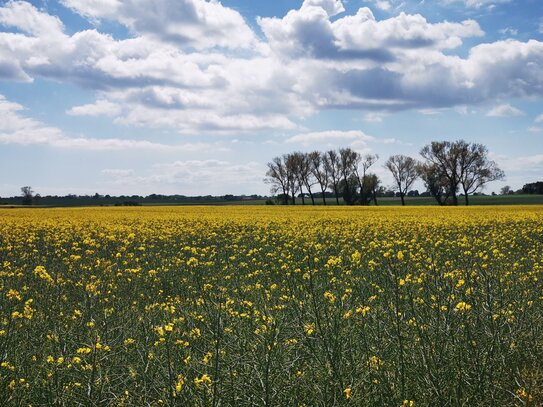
<point>29,198</point>
<point>447,169</point>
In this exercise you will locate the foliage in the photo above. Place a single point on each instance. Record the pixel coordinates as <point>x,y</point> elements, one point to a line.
<point>533,188</point>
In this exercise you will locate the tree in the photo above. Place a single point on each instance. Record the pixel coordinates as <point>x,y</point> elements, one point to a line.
<point>277,176</point>
<point>292,164</point>
<point>436,183</point>
<point>332,165</point>
<point>404,171</point>
<point>319,171</point>
<point>476,169</point>
<point>505,190</point>
<point>442,158</point>
<point>348,163</point>
<point>372,183</point>
<point>451,165</point>
<point>28,194</point>
<point>533,188</point>
<point>366,184</point>
<point>306,174</point>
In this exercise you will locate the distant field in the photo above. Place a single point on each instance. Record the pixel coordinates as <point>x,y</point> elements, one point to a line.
<point>474,200</point>
<point>421,201</point>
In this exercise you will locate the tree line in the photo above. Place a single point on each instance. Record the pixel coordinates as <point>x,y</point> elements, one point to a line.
<point>447,169</point>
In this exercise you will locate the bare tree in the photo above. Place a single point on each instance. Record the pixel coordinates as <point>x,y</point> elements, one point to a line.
<point>349,160</point>
<point>365,184</point>
<point>277,176</point>
<point>444,158</point>
<point>436,183</point>
<point>331,163</point>
<point>476,169</point>
<point>319,171</point>
<point>307,175</point>
<point>404,171</point>
<point>458,164</point>
<point>28,194</point>
<point>292,169</point>
<point>371,184</point>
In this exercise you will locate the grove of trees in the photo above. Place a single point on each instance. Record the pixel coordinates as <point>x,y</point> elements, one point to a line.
<point>345,172</point>
<point>447,169</point>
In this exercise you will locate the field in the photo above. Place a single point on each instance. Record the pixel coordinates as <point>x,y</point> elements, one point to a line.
<point>282,306</point>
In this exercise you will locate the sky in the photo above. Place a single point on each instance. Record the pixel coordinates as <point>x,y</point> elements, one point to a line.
<point>195,97</point>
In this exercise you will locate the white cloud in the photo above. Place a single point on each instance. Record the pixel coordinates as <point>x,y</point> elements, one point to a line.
<point>374,117</point>
<point>193,177</point>
<point>539,119</point>
<point>535,129</point>
<point>504,110</point>
<point>332,136</point>
<point>191,23</point>
<point>509,31</point>
<point>309,32</point>
<point>383,5</point>
<point>332,7</point>
<point>99,108</point>
<point>16,128</point>
<point>477,3</point>
<point>25,17</point>
<point>311,62</point>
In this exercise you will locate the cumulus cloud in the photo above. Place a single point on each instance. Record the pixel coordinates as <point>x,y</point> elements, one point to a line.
<point>331,136</point>
<point>26,18</point>
<point>16,128</point>
<point>313,58</point>
<point>99,108</point>
<point>504,110</point>
<point>192,23</point>
<point>310,32</point>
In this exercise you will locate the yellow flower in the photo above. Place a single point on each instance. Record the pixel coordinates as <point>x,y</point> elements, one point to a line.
<point>374,362</point>
<point>330,297</point>
<point>205,379</point>
<point>179,384</point>
<point>462,307</point>
<point>347,393</point>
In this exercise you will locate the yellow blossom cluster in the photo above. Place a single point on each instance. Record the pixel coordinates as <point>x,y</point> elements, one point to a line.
<point>248,305</point>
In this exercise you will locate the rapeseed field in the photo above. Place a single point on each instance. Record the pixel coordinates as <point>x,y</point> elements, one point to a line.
<point>271,306</point>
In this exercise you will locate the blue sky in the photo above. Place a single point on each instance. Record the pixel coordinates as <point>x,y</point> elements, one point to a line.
<point>194,97</point>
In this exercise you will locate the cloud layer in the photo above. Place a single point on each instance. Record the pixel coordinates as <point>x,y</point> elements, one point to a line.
<point>199,67</point>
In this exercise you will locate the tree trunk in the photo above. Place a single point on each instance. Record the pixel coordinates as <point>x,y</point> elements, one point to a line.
<point>466,198</point>
<point>323,197</point>
<point>336,193</point>
<point>454,198</point>
<point>293,198</point>
<point>311,195</point>
<point>402,197</point>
